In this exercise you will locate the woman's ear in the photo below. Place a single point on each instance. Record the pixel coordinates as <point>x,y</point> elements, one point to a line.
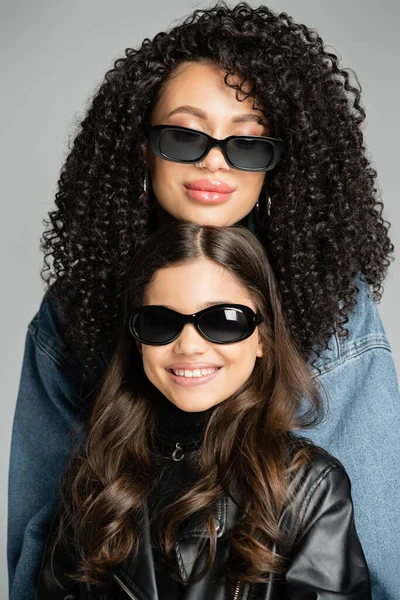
<point>139,347</point>
<point>146,155</point>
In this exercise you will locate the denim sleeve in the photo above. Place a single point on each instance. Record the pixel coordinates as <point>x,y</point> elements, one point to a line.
<point>361,429</point>
<point>46,414</point>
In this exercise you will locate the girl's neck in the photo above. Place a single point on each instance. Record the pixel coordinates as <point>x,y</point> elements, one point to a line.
<point>178,426</point>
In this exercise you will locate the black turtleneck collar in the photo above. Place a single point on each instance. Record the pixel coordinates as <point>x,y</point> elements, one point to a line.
<point>178,426</point>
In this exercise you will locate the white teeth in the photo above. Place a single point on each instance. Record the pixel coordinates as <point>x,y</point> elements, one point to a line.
<point>194,373</point>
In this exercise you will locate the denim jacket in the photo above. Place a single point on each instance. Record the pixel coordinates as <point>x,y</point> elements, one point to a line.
<point>361,428</point>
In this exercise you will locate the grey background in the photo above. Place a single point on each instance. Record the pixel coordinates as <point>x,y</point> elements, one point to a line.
<point>53,54</point>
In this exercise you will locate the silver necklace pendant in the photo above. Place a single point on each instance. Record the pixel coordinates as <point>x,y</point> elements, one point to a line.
<point>177,454</point>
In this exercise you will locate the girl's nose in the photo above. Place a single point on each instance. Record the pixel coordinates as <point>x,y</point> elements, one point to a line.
<point>190,342</point>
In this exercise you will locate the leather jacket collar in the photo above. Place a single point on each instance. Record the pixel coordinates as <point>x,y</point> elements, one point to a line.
<point>326,558</point>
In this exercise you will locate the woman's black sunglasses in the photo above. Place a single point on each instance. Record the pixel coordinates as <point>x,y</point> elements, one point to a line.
<point>244,152</point>
<point>219,324</point>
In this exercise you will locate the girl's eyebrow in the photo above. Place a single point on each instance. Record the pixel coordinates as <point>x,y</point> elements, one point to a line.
<point>208,304</point>
<point>201,114</point>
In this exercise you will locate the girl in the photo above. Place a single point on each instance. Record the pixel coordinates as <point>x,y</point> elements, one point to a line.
<point>192,484</point>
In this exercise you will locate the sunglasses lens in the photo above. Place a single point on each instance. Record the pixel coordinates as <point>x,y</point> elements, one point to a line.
<point>182,145</point>
<point>224,325</point>
<point>250,154</point>
<point>157,326</point>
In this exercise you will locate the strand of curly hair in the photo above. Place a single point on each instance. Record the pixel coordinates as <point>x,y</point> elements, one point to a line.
<point>326,225</point>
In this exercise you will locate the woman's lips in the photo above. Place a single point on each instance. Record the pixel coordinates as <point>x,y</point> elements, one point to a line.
<point>208,192</point>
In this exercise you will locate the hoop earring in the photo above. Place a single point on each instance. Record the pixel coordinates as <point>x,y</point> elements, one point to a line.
<point>265,206</point>
<point>269,202</point>
<point>145,182</point>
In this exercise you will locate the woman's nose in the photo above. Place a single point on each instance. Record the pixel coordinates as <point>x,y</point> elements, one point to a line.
<point>214,161</point>
<point>190,342</point>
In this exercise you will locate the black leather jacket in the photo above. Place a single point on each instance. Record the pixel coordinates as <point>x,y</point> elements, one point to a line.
<point>326,561</point>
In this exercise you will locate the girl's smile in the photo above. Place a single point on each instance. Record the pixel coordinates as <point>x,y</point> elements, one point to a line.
<point>194,374</point>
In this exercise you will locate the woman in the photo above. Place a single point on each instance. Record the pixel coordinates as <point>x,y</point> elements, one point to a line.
<point>225,71</point>
<point>213,362</point>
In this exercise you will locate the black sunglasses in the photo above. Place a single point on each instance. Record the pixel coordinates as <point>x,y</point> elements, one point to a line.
<point>220,324</point>
<point>244,152</point>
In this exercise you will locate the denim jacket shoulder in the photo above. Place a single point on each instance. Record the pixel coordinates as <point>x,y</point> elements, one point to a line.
<point>365,329</point>
<point>48,329</point>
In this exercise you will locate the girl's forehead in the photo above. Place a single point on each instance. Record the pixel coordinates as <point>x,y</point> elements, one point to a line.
<point>189,285</point>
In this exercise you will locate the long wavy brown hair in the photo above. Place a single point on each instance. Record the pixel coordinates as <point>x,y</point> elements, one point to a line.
<point>248,451</point>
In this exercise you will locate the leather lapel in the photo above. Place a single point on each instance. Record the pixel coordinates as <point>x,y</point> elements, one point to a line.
<point>190,562</point>
<point>138,573</point>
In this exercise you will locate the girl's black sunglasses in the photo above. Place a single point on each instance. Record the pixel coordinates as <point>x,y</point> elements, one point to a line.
<point>219,324</point>
<point>244,152</point>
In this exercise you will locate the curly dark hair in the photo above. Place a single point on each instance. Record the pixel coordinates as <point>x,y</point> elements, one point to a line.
<point>326,226</point>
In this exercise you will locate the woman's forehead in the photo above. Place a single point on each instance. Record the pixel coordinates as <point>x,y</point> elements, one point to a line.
<point>201,85</point>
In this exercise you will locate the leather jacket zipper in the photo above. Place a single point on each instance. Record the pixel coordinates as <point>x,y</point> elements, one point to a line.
<point>126,589</point>
<point>237,591</point>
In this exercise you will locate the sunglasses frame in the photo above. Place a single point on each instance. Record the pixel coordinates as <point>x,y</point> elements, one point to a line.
<point>252,318</point>
<point>157,130</point>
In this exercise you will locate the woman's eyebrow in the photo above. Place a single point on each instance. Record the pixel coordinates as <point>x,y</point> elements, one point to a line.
<point>248,117</point>
<point>197,112</point>
<point>191,110</point>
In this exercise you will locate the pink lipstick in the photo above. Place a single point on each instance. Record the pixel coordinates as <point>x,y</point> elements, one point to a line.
<point>208,192</point>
